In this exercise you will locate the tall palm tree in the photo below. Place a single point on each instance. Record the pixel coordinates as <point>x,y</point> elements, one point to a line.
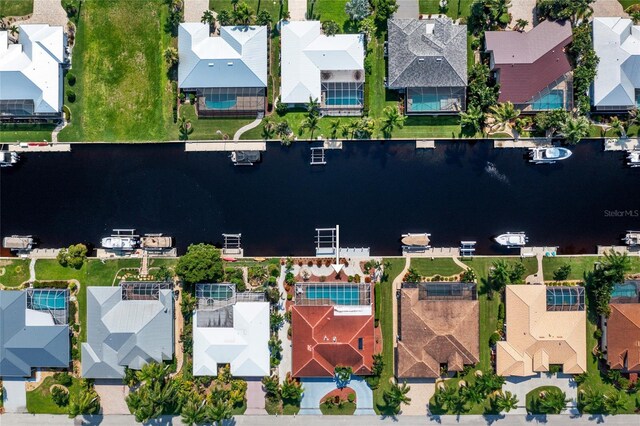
<point>553,401</point>
<point>581,10</point>
<point>614,402</point>
<point>268,129</point>
<point>313,107</point>
<point>392,119</point>
<point>472,394</point>
<point>242,14</point>
<point>472,118</point>
<point>225,18</point>
<point>397,395</point>
<point>505,401</point>
<point>14,30</point>
<point>208,18</point>
<point>616,265</point>
<point>499,275</point>
<point>335,128</point>
<point>574,129</point>
<point>445,397</point>
<point>504,113</point>
<point>234,3</point>
<point>171,56</point>
<point>310,123</point>
<point>591,400</point>
<point>499,10</point>
<point>217,412</point>
<point>520,25</point>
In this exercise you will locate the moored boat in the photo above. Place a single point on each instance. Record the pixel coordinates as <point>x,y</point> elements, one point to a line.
<point>633,158</point>
<point>8,158</point>
<point>416,241</point>
<point>548,155</point>
<point>245,158</point>
<point>512,239</point>
<point>18,242</point>
<point>632,238</point>
<point>156,242</point>
<point>121,240</point>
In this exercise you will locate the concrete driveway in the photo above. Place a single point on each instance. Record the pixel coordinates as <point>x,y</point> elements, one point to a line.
<point>15,395</point>
<point>315,389</point>
<point>255,398</point>
<point>521,386</point>
<point>112,396</point>
<point>420,394</point>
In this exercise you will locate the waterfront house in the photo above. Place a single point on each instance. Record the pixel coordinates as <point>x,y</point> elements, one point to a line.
<point>31,85</point>
<point>617,83</point>
<point>532,68</point>
<point>228,73</point>
<point>621,331</point>
<point>438,329</point>
<point>230,328</point>
<point>329,69</point>
<point>129,325</point>
<point>333,325</point>
<point>546,326</point>
<point>34,331</point>
<point>428,64</point>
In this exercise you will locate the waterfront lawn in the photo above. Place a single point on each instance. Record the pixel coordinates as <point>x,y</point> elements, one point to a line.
<point>14,272</point>
<point>39,400</point>
<point>384,307</point>
<point>580,265</point>
<point>416,127</point>
<point>271,6</point>
<point>295,119</point>
<point>375,92</point>
<point>443,266</point>
<point>26,132</point>
<point>16,7</point>
<point>122,88</point>
<point>207,128</point>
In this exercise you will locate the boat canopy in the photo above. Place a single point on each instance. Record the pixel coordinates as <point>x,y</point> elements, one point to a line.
<point>17,243</point>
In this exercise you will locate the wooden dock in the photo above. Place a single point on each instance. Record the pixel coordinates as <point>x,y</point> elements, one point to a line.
<point>535,251</point>
<point>521,143</point>
<point>631,251</point>
<point>433,252</point>
<point>225,146</point>
<point>425,144</point>
<point>50,147</point>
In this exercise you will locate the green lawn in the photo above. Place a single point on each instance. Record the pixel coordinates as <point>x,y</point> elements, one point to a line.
<point>346,410</point>
<point>16,7</point>
<point>456,9</point>
<point>14,272</point>
<point>626,3</point>
<point>579,265</point>
<point>377,93</point>
<point>469,378</point>
<point>295,120</point>
<point>333,10</point>
<point>429,126</point>
<point>594,381</point>
<point>436,266</point>
<point>384,304</point>
<point>271,6</point>
<point>26,132</point>
<point>122,88</point>
<point>207,128</point>
<point>533,397</point>
<point>39,400</point>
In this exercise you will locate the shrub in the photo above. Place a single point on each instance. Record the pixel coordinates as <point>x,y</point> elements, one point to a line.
<point>60,396</point>
<point>351,397</point>
<point>495,337</point>
<point>71,79</point>
<point>192,98</point>
<point>289,296</point>
<point>274,271</point>
<point>350,278</point>
<point>74,256</point>
<point>50,284</point>
<point>501,315</point>
<point>272,281</point>
<point>63,378</point>
<point>281,108</point>
<point>356,278</point>
<point>597,334</point>
<point>71,96</point>
<point>562,273</point>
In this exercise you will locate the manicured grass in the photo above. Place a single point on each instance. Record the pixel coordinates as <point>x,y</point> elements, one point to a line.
<point>332,10</point>
<point>429,126</point>
<point>271,6</point>
<point>295,120</point>
<point>384,302</point>
<point>534,396</point>
<point>26,132</point>
<point>122,89</point>
<point>594,382</point>
<point>579,265</point>
<point>14,272</point>
<point>347,409</point>
<point>207,128</point>
<point>437,266</point>
<point>469,378</point>
<point>626,3</point>
<point>456,9</point>
<point>377,93</point>
<point>39,400</point>
<point>16,7</point>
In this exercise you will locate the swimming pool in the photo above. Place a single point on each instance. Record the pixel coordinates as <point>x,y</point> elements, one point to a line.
<point>46,299</point>
<point>335,99</point>
<point>561,299</point>
<point>426,102</point>
<point>552,100</point>
<point>216,292</point>
<point>625,290</point>
<point>339,294</point>
<point>220,101</point>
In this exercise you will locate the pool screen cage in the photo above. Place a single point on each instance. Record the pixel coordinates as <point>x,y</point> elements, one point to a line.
<point>230,100</point>
<point>216,296</point>
<point>17,107</point>
<point>447,291</point>
<point>565,298</point>
<point>144,290</point>
<point>562,84</point>
<point>343,95</point>
<point>442,99</point>
<point>35,298</point>
<point>344,291</point>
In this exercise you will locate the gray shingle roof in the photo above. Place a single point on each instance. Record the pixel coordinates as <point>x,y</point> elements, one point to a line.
<point>125,333</point>
<point>24,346</point>
<point>427,53</point>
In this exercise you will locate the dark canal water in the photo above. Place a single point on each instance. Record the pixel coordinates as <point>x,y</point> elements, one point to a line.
<point>375,191</point>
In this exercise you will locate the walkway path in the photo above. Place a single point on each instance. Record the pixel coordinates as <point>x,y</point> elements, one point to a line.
<point>255,123</point>
<point>397,282</point>
<point>285,362</point>
<point>521,386</point>
<point>178,325</point>
<point>255,398</point>
<point>193,9</point>
<point>58,129</point>
<point>32,270</point>
<point>46,12</point>
<point>298,9</point>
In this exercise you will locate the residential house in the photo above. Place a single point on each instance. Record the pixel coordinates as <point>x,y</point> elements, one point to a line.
<point>34,331</point>
<point>428,64</point>
<point>228,73</point>
<point>230,328</point>
<point>617,83</point>
<point>128,326</point>
<point>545,326</point>
<point>333,326</point>
<point>438,329</point>
<point>329,69</point>
<point>532,68</point>
<point>621,330</point>
<point>31,75</point>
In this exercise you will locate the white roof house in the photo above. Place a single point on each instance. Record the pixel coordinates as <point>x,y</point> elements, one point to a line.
<point>617,44</point>
<point>306,53</point>
<point>236,58</point>
<point>30,69</point>
<point>240,339</point>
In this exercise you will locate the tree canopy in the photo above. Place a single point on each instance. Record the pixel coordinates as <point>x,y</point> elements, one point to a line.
<point>201,263</point>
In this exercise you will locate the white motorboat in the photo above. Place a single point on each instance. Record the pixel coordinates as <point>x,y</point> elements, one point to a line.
<point>633,158</point>
<point>8,158</point>
<point>18,242</point>
<point>548,155</point>
<point>121,240</point>
<point>512,239</point>
<point>632,238</point>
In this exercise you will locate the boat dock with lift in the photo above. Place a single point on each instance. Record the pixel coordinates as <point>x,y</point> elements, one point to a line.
<point>126,243</point>
<point>245,158</point>
<point>19,244</point>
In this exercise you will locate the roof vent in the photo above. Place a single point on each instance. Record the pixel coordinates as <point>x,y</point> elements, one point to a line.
<point>439,59</point>
<point>210,64</point>
<point>420,59</point>
<point>229,64</point>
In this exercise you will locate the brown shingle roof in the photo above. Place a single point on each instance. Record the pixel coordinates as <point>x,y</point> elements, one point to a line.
<point>435,332</point>
<point>623,336</point>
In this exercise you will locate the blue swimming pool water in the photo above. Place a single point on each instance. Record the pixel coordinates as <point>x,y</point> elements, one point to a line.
<point>338,98</point>
<point>625,290</point>
<point>552,100</point>
<point>561,298</point>
<point>340,295</point>
<point>220,101</point>
<point>425,102</point>
<point>48,300</point>
<point>216,292</point>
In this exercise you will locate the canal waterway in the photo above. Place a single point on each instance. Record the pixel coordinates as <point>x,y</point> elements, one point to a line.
<point>375,191</point>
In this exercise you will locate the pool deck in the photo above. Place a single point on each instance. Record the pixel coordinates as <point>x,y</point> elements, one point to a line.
<point>226,146</point>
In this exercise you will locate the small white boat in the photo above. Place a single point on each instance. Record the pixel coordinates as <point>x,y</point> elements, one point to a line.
<point>8,159</point>
<point>548,155</point>
<point>632,238</point>
<point>512,239</point>
<point>633,159</point>
<point>121,240</point>
<point>18,242</point>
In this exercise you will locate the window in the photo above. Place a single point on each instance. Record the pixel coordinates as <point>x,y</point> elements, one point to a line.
<point>360,343</point>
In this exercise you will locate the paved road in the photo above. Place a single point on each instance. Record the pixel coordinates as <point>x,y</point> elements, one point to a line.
<point>561,420</point>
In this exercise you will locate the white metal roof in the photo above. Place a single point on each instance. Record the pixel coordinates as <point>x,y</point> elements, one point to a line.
<point>306,52</point>
<point>236,58</point>
<point>617,44</point>
<point>245,346</point>
<point>31,68</point>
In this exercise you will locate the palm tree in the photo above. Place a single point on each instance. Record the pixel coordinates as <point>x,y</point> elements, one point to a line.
<point>234,3</point>
<point>499,275</point>
<point>392,119</point>
<point>591,401</point>
<point>397,395</point>
<point>472,394</point>
<point>193,412</point>
<point>614,402</point>
<point>268,129</point>
<point>445,397</point>
<point>313,108</point>
<point>499,10</point>
<point>553,401</point>
<point>504,113</point>
<point>506,401</point>
<point>152,372</point>
<point>616,124</point>
<point>286,16</point>
<point>472,118</point>
<point>291,389</point>
<point>208,18</point>
<point>615,265</point>
<point>84,403</point>
<point>264,18</point>
<point>225,18</point>
<point>242,15</point>
<point>520,25</point>
<point>581,10</point>
<point>171,56</point>
<point>217,412</point>
<point>574,129</point>
<point>311,123</point>
<point>335,128</point>
<point>184,129</point>
<point>14,30</point>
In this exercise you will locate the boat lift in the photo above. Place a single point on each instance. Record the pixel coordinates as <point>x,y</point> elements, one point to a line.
<point>467,248</point>
<point>232,245</point>
<point>317,156</point>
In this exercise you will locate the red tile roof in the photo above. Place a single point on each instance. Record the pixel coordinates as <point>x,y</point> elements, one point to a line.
<point>623,336</point>
<point>322,340</point>
<point>529,62</point>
